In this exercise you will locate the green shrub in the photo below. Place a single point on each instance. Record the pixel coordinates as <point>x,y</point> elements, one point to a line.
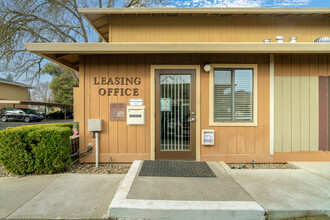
<point>15,154</point>
<point>67,125</point>
<point>40,149</point>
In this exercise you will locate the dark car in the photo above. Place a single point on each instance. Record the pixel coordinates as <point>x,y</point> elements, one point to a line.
<point>20,114</point>
<point>59,115</point>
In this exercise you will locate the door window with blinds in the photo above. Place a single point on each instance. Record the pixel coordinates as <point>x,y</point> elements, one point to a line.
<point>233,96</point>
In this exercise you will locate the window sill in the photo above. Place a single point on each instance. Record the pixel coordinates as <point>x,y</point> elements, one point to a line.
<point>234,124</point>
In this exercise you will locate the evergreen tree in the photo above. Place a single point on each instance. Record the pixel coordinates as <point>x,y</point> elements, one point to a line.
<point>62,84</point>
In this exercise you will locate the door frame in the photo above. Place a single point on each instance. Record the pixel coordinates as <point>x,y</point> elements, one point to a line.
<point>153,106</point>
<point>176,154</point>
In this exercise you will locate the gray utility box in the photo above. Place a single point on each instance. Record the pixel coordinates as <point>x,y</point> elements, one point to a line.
<point>94,124</point>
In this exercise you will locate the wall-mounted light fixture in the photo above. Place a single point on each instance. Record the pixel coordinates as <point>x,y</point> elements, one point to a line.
<point>207,67</point>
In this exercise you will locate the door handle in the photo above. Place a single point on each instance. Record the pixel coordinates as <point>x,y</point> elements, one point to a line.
<point>192,120</point>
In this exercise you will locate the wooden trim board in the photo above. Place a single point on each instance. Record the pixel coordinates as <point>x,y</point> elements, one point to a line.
<point>48,49</point>
<point>271,104</point>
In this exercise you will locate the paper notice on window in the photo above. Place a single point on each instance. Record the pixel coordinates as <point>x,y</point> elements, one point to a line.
<point>165,104</point>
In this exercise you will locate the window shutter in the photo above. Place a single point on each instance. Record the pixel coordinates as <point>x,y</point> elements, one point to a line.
<point>222,95</point>
<point>243,95</point>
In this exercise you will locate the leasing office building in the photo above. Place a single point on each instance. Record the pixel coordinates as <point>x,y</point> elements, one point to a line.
<point>205,83</point>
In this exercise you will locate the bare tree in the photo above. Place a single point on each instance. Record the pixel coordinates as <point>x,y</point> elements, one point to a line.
<point>42,93</point>
<point>46,21</point>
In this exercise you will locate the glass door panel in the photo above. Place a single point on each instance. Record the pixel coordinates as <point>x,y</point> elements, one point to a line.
<point>175,112</point>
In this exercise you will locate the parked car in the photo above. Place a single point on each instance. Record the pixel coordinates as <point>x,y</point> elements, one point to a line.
<point>59,115</point>
<point>20,114</point>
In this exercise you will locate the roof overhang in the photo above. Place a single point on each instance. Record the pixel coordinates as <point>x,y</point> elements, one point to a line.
<point>18,84</point>
<point>67,54</point>
<point>98,18</point>
<point>235,10</point>
<point>28,102</point>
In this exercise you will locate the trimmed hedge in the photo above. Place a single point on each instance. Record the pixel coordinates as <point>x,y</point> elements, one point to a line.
<point>39,149</point>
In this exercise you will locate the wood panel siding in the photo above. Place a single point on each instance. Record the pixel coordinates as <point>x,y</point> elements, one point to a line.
<point>328,114</point>
<point>126,143</point>
<point>238,141</point>
<point>123,143</point>
<point>287,105</point>
<point>278,105</point>
<point>76,105</point>
<point>296,88</point>
<point>323,113</point>
<point>200,28</point>
<point>299,124</point>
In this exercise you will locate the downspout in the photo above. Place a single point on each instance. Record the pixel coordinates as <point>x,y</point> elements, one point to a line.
<point>97,149</point>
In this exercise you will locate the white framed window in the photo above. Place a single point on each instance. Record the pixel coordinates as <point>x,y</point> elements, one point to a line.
<point>233,95</point>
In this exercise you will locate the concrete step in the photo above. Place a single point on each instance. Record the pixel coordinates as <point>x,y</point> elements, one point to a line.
<point>122,206</point>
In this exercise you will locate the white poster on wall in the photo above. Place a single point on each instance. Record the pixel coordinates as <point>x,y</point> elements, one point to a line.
<point>136,102</point>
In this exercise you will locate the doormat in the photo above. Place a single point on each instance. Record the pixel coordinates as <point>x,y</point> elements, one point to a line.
<point>175,168</point>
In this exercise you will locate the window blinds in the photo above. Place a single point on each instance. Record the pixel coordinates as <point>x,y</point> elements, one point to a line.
<point>233,106</point>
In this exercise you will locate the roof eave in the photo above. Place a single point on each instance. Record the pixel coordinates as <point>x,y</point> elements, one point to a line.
<point>18,84</point>
<point>29,102</point>
<point>234,10</point>
<point>50,50</point>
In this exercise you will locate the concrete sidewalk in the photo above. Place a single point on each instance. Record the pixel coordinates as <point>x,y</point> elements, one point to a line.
<point>319,168</point>
<point>235,193</point>
<point>66,196</point>
<point>286,193</point>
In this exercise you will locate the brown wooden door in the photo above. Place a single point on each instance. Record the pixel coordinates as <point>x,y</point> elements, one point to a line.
<point>175,114</point>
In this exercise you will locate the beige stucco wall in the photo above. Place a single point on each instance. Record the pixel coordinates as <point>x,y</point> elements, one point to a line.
<point>12,92</point>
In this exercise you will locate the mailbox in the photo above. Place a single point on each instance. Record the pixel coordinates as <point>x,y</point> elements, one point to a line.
<point>135,115</point>
<point>208,137</point>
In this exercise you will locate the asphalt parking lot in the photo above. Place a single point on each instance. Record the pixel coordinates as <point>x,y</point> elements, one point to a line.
<point>4,125</point>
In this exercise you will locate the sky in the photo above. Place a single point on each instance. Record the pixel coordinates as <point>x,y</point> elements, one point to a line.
<point>251,3</point>
<point>229,3</point>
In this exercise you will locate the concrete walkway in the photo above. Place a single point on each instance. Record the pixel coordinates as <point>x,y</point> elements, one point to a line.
<point>252,193</point>
<point>286,193</point>
<point>220,198</point>
<point>65,196</point>
<point>281,193</point>
<point>223,188</point>
<point>319,168</point>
